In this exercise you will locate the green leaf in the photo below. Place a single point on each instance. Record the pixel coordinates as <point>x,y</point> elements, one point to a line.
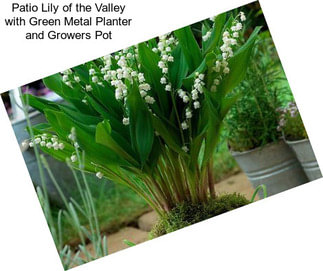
<point>38,103</point>
<point>188,81</point>
<point>177,69</point>
<point>141,128</point>
<point>190,47</point>
<point>213,129</point>
<point>103,136</point>
<point>227,103</point>
<point>54,83</point>
<point>82,72</point>
<point>96,153</point>
<point>168,134</point>
<point>144,134</point>
<point>106,96</point>
<point>81,117</point>
<point>217,30</point>
<point>128,243</point>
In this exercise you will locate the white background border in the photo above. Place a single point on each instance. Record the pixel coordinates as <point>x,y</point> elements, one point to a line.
<point>284,232</point>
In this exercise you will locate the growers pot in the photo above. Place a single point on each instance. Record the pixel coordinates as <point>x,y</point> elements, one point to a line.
<point>305,155</point>
<point>274,165</point>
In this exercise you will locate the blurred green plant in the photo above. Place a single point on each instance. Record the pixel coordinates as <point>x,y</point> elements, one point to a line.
<point>71,212</point>
<point>150,116</point>
<point>290,123</point>
<point>116,207</point>
<point>252,121</point>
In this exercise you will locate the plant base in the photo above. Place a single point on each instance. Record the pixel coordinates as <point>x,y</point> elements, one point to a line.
<point>189,213</point>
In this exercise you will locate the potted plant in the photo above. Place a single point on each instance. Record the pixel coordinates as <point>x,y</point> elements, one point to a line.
<point>295,135</point>
<point>150,116</point>
<point>252,122</point>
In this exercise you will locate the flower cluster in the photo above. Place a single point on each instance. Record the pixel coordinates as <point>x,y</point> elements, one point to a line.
<point>48,141</point>
<point>74,157</point>
<point>290,111</point>
<point>192,98</point>
<point>125,72</point>
<point>164,48</point>
<point>208,34</point>
<point>72,138</point>
<point>68,78</point>
<point>229,39</point>
<point>290,123</point>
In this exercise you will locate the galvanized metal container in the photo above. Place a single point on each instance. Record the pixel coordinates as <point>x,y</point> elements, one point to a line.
<point>305,155</point>
<point>274,165</point>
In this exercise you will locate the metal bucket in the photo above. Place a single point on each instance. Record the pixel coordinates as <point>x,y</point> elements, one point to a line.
<point>305,155</point>
<point>274,165</point>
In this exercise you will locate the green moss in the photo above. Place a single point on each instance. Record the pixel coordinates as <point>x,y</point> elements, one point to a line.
<point>187,214</point>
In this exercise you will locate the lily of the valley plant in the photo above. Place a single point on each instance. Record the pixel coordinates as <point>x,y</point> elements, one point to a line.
<point>150,116</point>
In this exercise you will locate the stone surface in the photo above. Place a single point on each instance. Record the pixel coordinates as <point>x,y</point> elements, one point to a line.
<point>238,183</point>
<point>115,240</point>
<point>147,221</point>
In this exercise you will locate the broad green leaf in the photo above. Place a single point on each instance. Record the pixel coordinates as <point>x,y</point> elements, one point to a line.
<point>227,103</point>
<point>38,103</point>
<point>82,72</point>
<point>106,95</point>
<point>115,123</point>
<point>141,129</point>
<point>213,129</point>
<point>54,83</point>
<point>103,136</point>
<point>190,47</point>
<point>189,80</point>
<point>168,134</point>
<point>144,134</point>
<point>62,125</point>
<point>217,30</point>
<point>177,69</point>
<point>80,117</point>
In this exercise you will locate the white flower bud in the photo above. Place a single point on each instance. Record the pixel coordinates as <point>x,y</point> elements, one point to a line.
<point>186,99</point>
<point>61,146</point>
<point>226,70</point>
<point>88,88</point>
<point>185,149</point>
<point>125,121</point>
<point>165,70</point>
<point>184,125</point>
<point>143,93</point>
<point>188,114</point>
<point>196,105</point>
<point>99,175</point>
<point>163,80</point>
